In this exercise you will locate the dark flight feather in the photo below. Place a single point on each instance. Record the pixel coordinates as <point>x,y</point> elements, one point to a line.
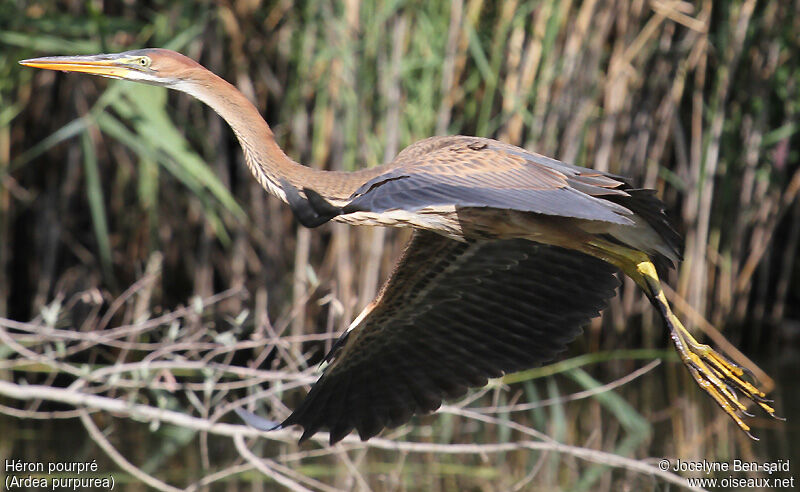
<point>484,309</point>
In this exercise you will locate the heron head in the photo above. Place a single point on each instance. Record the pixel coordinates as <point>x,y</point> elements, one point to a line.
<point>151,66</point>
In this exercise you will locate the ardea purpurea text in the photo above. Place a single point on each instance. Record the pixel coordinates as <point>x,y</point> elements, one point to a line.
<point>512,253</point>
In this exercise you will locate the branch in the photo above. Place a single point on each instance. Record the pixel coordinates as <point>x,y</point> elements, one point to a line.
<point>120,460</point>
<point>147,413</point>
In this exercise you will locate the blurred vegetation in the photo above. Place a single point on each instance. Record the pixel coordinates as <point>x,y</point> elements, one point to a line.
<point>105,182</point>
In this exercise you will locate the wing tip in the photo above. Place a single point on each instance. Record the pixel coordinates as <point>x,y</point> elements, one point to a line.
<point>257,422</point>
<point>265,425</point>
<point>312,211</point>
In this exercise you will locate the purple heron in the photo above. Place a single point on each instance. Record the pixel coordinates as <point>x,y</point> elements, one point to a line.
<point>512,253</point>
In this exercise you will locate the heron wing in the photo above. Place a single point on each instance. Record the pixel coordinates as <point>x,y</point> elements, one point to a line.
<point>452,315</point>
<point>479,172</point>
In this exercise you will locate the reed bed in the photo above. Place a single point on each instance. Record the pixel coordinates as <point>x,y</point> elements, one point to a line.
<point>148,285</point>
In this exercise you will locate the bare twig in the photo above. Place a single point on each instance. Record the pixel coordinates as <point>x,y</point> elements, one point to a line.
<point>519,407</point>
<point>264,467</point>
<point>120,460</point>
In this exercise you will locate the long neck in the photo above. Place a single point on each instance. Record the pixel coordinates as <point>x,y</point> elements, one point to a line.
<point>266,160</point>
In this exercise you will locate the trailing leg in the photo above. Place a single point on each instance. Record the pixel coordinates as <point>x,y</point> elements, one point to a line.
<point>714,373</point>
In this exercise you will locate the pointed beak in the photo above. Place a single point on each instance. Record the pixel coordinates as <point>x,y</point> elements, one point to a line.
<point>106,65</point>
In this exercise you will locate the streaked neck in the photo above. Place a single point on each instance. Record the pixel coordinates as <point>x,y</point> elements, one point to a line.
<point>265,159</point>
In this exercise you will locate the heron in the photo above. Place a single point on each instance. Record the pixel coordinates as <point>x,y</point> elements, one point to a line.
<point>511,254</point>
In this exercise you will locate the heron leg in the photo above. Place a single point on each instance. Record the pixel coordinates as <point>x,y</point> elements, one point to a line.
<point>717,375</point>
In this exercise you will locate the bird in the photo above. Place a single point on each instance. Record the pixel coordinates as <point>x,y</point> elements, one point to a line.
<point>511,254</point>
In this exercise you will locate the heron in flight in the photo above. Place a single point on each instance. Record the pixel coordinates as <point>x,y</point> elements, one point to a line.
<point>512,253</point>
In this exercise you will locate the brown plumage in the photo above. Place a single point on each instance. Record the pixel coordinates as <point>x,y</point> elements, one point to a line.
<point>512,253</point>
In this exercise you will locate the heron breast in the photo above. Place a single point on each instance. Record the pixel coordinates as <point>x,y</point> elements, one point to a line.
<point>442,220</point>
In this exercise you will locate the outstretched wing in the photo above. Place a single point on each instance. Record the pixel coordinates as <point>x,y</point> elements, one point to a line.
<point>452,315</point>
<point>473,172</point>
<point>479,172</point>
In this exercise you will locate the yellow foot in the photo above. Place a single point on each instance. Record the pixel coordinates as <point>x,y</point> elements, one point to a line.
<point>713,372</point>
<point>718,376</point>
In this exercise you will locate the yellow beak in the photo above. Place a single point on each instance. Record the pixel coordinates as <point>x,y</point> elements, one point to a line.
<point>105,65</point>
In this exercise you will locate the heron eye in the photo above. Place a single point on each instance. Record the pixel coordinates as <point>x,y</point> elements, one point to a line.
<point>144,61</point>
